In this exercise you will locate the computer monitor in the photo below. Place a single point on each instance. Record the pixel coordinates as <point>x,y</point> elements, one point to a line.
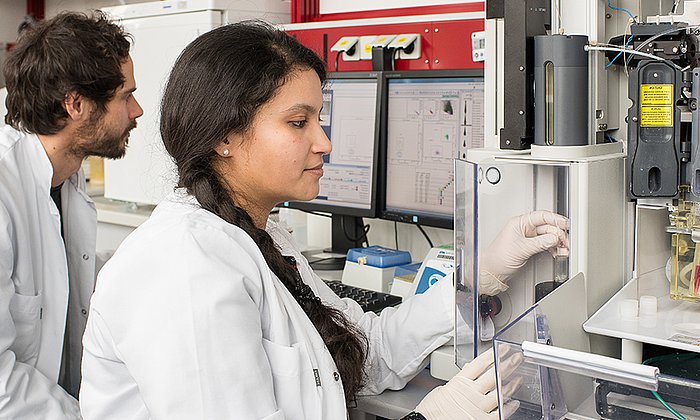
<point>431,117</point>
<point>348,188</point>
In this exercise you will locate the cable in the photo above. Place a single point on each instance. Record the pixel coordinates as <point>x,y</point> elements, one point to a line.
<point>315,213</point>
<point>663,357</point>
<point>425,234</point>
<point>365,229</point>
<point>396,234</point>
<point>659,35</point>
<point>668,407</point>
<point>337,57</point>
<point>620,9</point>
<point>557,10</point>
<point>620,53</point>
<point>624,55</point>
<point>675,6</point>
<point>634,52</point>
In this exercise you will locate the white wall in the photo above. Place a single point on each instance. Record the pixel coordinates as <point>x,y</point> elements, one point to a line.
<point>11,15</point>
<point>313,232</point>
<point>343,6</point>
<point>53,7</point>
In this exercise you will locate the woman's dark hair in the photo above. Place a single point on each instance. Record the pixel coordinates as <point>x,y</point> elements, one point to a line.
<point>71,52</point>
<point>215,89</point>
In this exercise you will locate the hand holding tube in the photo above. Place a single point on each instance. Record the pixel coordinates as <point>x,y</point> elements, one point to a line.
<point>521,238</point>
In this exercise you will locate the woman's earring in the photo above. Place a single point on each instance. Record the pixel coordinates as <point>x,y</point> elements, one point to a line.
<point>226,152</point>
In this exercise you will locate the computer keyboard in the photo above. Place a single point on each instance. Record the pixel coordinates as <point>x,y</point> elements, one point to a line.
<point>369,300</point>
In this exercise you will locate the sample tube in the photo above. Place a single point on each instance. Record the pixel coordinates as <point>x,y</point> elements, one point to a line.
<point>561,265</point>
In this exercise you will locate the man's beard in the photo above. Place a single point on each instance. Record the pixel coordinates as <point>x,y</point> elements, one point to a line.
<point>95,139</point>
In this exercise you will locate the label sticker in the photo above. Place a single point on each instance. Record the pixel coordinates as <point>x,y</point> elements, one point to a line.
<point>656,105</point>
<point>685,339</point>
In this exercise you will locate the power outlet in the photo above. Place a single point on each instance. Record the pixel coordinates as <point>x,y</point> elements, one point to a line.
<point>408,45</point>
<point>366,44</point>
<point>348,46</point>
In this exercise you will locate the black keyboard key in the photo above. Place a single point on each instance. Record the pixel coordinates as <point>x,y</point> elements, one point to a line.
<point>369,300</point>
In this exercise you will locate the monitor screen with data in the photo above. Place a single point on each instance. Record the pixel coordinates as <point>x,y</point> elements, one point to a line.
<point>350,119</point>
<point>432,118</point>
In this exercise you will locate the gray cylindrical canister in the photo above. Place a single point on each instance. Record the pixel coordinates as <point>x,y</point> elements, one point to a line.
<point>561,90</point>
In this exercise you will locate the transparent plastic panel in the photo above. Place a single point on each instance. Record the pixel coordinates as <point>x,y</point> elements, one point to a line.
<point>465,259</point>
<point>528,390</point>
<point>532,391</point>
<point>494,200</point>
<point>578,384</point>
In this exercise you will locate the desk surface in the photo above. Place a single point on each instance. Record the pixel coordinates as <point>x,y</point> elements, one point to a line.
<point>396,404</point>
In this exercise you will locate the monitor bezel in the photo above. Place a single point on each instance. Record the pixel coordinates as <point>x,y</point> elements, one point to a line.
<point>407,216</point>
<point>372,212</point>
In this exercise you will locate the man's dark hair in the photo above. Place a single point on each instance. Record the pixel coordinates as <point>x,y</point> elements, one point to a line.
<point>72,52</point>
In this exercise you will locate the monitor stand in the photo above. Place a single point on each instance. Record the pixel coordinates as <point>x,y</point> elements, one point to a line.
<point>343,230</point>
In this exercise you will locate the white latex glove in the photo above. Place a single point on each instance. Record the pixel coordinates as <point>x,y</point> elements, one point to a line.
<point>521,238</point>
<point>472,394</point>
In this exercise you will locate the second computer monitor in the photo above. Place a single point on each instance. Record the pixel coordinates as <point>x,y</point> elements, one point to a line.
<point>432,117</point>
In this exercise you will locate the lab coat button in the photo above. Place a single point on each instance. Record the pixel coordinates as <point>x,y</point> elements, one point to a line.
<point>83,311</point>
<point>86,257</point>
<point>336,376</point>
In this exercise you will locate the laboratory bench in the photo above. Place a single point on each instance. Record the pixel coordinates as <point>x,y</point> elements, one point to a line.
<point>116,219</point>
<point>395,404</point>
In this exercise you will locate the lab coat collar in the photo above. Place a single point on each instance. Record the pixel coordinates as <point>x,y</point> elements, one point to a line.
<point>182,196</point>
<point>42,169</point>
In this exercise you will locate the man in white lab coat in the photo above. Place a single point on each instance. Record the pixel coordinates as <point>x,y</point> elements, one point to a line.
<point>70,91</point>
<point>3,110</point>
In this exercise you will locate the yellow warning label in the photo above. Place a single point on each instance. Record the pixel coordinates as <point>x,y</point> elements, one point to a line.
<point>656,95</point>
<point>656,105</point>
<point>656,116</point>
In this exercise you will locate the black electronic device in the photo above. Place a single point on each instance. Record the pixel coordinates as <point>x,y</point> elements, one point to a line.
<point>369,300</point>
<point>663,120</point>
<point>522,21</point>
<point>348,187</point>
<point>430,118</point>
<point>677,385</point>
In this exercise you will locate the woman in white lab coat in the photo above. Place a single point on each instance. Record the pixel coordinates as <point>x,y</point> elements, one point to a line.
<point>209,311</point>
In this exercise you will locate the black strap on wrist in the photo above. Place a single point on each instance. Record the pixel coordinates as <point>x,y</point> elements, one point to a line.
<point>413,416</point>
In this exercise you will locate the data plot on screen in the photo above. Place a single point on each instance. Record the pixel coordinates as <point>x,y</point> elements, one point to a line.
<point>430,121</point>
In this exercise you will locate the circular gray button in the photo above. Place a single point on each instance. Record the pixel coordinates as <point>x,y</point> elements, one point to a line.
<point>86,257</point>
<point>493,175</point>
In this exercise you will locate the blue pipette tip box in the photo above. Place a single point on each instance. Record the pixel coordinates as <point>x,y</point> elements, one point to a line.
<point>378,256</point>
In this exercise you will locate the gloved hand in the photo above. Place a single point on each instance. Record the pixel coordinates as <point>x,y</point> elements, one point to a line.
<point>521,238</point>
<point>472,394</point>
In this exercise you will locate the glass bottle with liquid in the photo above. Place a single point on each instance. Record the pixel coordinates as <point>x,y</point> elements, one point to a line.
<point>561,265</point>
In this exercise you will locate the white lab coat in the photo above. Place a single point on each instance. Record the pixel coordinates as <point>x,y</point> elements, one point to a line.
<point>188,322</point>
<point>34,271</point>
